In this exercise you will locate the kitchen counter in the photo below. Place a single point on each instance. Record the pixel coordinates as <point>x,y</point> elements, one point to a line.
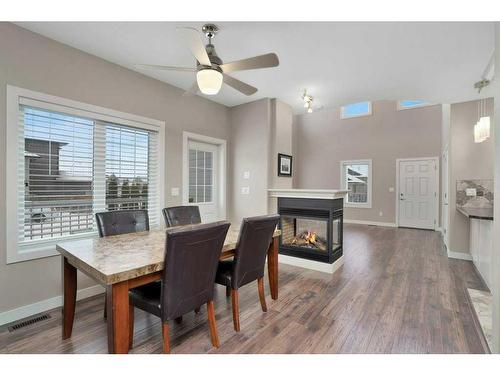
<point>476,213</point>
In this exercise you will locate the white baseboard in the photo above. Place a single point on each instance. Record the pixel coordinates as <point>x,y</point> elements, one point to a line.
<point>363,222</point>
<point>48,304</point>
<point>459,255</point>
<point>311,264</point>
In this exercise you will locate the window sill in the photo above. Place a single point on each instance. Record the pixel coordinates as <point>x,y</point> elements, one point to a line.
<point>357,205</point>
<point>40,249</point>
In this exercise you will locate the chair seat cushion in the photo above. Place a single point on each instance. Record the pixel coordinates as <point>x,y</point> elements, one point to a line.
<point>147,297</point>
<point>224,272</point>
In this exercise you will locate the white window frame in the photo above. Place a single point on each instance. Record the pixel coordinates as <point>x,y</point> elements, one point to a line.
<point>16,252</point>
<point>343,116</point>
<point>343,183</point>
<point>222,178</point>
<point>403,108</point>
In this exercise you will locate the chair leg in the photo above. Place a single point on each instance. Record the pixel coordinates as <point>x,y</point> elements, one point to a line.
<point>131,326</point>
<point>262,297</point>
<point>166,338</point>
<point>178,320</point>
<point>211,322</point>
<point>197,310</point>
<point>236,309</point>
<point>228,291</point>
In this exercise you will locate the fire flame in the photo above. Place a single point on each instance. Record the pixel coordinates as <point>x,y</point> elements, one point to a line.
<point>311,237</point>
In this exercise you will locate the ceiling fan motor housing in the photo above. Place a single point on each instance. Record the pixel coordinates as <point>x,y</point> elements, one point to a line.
<point>214,59</point>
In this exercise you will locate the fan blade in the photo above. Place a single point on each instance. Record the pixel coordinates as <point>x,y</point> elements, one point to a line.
<point>192,37</point>
<point>239,85</point>
<point>193,90</point>
<point>163,67</point>
<point>258,62</point>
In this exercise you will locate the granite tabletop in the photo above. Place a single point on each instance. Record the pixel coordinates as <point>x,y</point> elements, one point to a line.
<point>476,213</point>
<point>112,259</point>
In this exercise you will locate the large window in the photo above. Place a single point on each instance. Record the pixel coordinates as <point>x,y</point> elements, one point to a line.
<point>356,110</point>
<point>356,177</point>
<point>70,163</point>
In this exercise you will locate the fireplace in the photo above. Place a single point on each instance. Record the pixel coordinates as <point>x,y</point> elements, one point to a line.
<point>311,228</point>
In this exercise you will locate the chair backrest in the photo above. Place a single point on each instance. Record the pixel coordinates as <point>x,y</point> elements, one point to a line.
<point>253,243</point>
<point>191,258</point>
<point>120,222</point>
<point>181,215</point>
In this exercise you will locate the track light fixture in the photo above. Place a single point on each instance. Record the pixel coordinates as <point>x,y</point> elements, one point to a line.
<point>308,99</point>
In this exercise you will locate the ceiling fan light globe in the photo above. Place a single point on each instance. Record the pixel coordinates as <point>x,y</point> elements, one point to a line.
<point>209,81</point>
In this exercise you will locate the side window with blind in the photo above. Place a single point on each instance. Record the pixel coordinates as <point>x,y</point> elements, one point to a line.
<point>127,168</point>
<point>58,170</point>
<point>76,166</point>
<point>200,176</point>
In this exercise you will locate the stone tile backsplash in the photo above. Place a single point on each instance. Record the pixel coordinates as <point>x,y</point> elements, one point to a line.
<point>484,193</point>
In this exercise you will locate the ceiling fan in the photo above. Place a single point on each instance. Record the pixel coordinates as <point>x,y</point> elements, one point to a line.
<point>210,69</point>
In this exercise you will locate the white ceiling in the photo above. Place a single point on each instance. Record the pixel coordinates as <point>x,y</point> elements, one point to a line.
<point>338,63</point>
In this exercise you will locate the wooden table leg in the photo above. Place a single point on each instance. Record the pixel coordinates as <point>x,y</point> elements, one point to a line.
<point>118,318</point>
<point>272,267</point>
<point>69,296</point>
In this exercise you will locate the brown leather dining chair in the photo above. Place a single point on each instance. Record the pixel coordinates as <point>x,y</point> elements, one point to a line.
<point>191,257</point>
<point>181,215</point>
<point>112,223</point>
<point>249,260</point>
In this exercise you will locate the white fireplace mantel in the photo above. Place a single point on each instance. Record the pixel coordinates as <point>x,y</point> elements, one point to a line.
<point>307,193</point>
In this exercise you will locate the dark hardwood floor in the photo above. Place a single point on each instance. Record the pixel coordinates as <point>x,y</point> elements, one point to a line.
<point>396,293</point>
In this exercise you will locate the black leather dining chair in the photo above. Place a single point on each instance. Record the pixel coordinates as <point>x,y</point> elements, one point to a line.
<point>181,215</point>
<point>191,257</point>
<point>112,223</point>
<point>249,260</point>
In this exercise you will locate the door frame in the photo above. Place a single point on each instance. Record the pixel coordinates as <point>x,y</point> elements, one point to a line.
<point>436,195</point>
<point>222,178</point>
<point>445,196</point>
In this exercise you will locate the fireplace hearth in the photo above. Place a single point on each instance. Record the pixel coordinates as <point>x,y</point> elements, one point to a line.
<point>311,228</point>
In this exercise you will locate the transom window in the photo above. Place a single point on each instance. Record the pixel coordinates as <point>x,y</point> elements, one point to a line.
<point>66,164</point>
<point>356,177</point>
<point>409,104</point>
<point>356,110</point>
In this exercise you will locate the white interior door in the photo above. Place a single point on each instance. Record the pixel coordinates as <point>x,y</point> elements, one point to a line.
<point>418,193</point>
<point>203,179</point>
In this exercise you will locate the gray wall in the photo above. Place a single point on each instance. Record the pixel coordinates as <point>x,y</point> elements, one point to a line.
<point>323,140</point>
<point>249,149</point>
<point>34,62</point>
<point>259,131</point>
<point>468,161</point>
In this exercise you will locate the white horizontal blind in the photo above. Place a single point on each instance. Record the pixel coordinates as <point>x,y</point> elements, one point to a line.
<point>55,174</point>
<point>130,164</point>
<point>71,167</point>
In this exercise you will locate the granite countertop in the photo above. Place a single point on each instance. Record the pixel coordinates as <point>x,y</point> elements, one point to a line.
<point>113,259</point>
<point>477,213</point>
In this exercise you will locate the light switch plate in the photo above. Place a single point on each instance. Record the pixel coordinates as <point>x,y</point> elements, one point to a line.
<point>246,175</point>
<point>470,192</point>
<point>174,191</point>
<point>391,190</point>
<point>245,190</point>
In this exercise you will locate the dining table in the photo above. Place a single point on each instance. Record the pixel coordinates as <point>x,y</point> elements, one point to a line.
<point>126,261</point>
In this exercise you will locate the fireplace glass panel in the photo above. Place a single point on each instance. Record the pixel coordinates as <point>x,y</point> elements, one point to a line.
<point>305,233</point>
